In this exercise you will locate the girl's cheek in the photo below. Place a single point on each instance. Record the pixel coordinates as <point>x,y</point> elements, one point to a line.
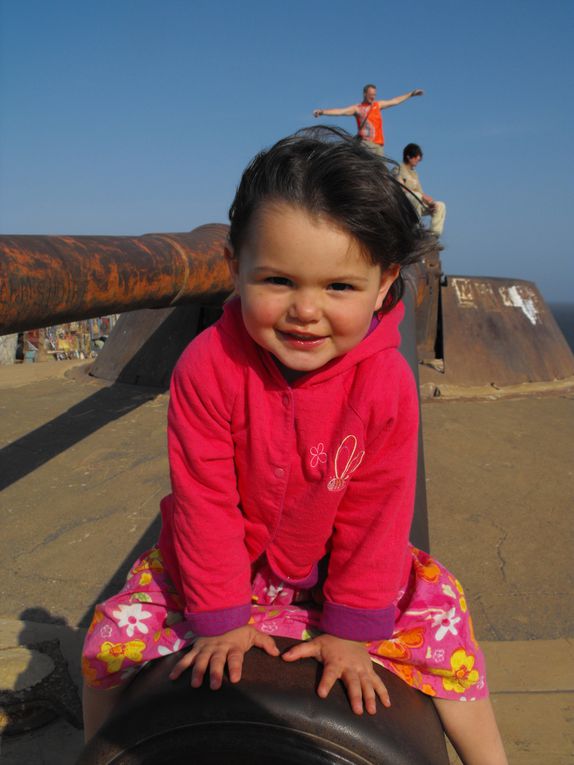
<point>266,307</point>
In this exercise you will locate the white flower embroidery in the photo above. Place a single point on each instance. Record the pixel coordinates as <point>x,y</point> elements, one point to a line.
<point>273,591</point>
<point>445,622</point>
<point>447,590</point>
<point>106,631</point>
<point>165,651</point>
<point>131,617</point>
<point>344,469</point>
<point>318,454</point>
<point>267,627</point>
<point>438,655</point>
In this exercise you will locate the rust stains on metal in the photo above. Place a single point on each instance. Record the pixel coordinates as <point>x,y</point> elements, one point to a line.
<point>46,280</point>
<point>471,331</point>
<point>425,278</point>
<point>500,332</point>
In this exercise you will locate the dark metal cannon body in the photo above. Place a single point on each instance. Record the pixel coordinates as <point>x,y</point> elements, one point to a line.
<point>272,717</point>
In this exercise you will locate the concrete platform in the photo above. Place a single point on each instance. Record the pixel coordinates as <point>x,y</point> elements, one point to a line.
<point>83,466</point>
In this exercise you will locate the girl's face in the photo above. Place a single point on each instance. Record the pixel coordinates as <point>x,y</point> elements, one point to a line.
<point>308,294</point>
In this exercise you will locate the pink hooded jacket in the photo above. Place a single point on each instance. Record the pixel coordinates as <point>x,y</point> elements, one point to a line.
<point>326,465</point>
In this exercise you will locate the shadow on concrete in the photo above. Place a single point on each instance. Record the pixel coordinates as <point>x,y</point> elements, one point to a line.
<point>44,689</point>
<point>118,578</point>
<point>138,360</point>
<point>23,456</point>
<point>143,352</point>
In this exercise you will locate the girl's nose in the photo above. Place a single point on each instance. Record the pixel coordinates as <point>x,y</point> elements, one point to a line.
<point>305,307</point>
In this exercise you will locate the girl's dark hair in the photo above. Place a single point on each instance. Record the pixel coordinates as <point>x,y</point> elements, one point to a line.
<point>328,173</point>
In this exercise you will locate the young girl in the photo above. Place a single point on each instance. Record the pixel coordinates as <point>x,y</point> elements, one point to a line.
<point>292,437</point>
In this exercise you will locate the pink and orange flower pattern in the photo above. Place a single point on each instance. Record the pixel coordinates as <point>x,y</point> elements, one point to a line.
<point>433,647</point>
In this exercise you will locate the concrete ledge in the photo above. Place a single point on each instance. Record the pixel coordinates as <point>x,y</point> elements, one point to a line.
<point>530,666</point>
<point>18,375</point>
<point>433,389</point>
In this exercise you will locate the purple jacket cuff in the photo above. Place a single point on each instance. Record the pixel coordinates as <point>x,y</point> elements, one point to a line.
<point>307,582</point>
<point>208,623</point>
<point>303,584</point>
<point>358,623</point>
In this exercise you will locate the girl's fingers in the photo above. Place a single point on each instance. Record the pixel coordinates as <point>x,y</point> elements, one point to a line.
<point>382,692</point>
<point>354,692</point>
<point>369,696</point>
<point>328,679</point>
<point>199,668</point>
<point>183,663</point>
<point>302,651</point>
<point>216,669</point>
<point>214,654</point>
<point>235,665</point>
<point>266,642</point>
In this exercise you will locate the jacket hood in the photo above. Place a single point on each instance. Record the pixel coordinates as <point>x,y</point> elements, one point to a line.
<point>384,336</point>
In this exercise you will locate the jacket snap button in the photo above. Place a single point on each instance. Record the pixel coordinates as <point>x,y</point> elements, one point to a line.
<point>279,472</point>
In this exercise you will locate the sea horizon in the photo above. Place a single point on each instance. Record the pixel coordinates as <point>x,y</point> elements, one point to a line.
<point>564,314</point>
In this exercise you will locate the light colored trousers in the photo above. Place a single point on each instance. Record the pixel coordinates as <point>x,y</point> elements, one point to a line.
<point>376,148</point>
<point>437,215</point>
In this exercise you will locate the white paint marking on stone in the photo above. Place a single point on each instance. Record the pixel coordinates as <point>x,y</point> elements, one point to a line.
<point>484,288</point>
<point>522,298</point>
<point>464,293</point>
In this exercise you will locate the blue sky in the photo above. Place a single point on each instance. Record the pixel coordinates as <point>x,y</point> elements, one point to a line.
<point>132,116</point>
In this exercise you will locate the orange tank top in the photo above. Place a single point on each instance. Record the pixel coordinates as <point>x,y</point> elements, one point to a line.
<point>372,129</point>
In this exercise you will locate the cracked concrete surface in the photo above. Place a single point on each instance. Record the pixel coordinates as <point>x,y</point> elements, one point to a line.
<point>84,466</point>
<point>72,496</point>
<point>500,485</point>
<point>500,482</point>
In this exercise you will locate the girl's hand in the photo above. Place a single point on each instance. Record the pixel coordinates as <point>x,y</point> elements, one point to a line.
<point>217,651</point>
<point>348,661</point>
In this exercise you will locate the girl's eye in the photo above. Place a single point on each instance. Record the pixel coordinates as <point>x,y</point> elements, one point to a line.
<point>280,280</point>
<point>340,286</point>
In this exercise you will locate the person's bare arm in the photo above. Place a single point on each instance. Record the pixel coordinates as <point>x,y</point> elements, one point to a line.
<point>386,103</point>
<point>347,111</point>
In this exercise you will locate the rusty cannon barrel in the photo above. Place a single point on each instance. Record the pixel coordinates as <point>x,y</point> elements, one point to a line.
<point>47,280</point>
<point>472,333</point>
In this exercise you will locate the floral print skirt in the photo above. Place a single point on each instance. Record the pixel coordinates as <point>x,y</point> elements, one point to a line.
<point>433,647</point>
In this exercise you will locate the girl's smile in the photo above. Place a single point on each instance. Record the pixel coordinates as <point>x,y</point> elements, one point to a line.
<point>300,339</point>
<point>308,293</point>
